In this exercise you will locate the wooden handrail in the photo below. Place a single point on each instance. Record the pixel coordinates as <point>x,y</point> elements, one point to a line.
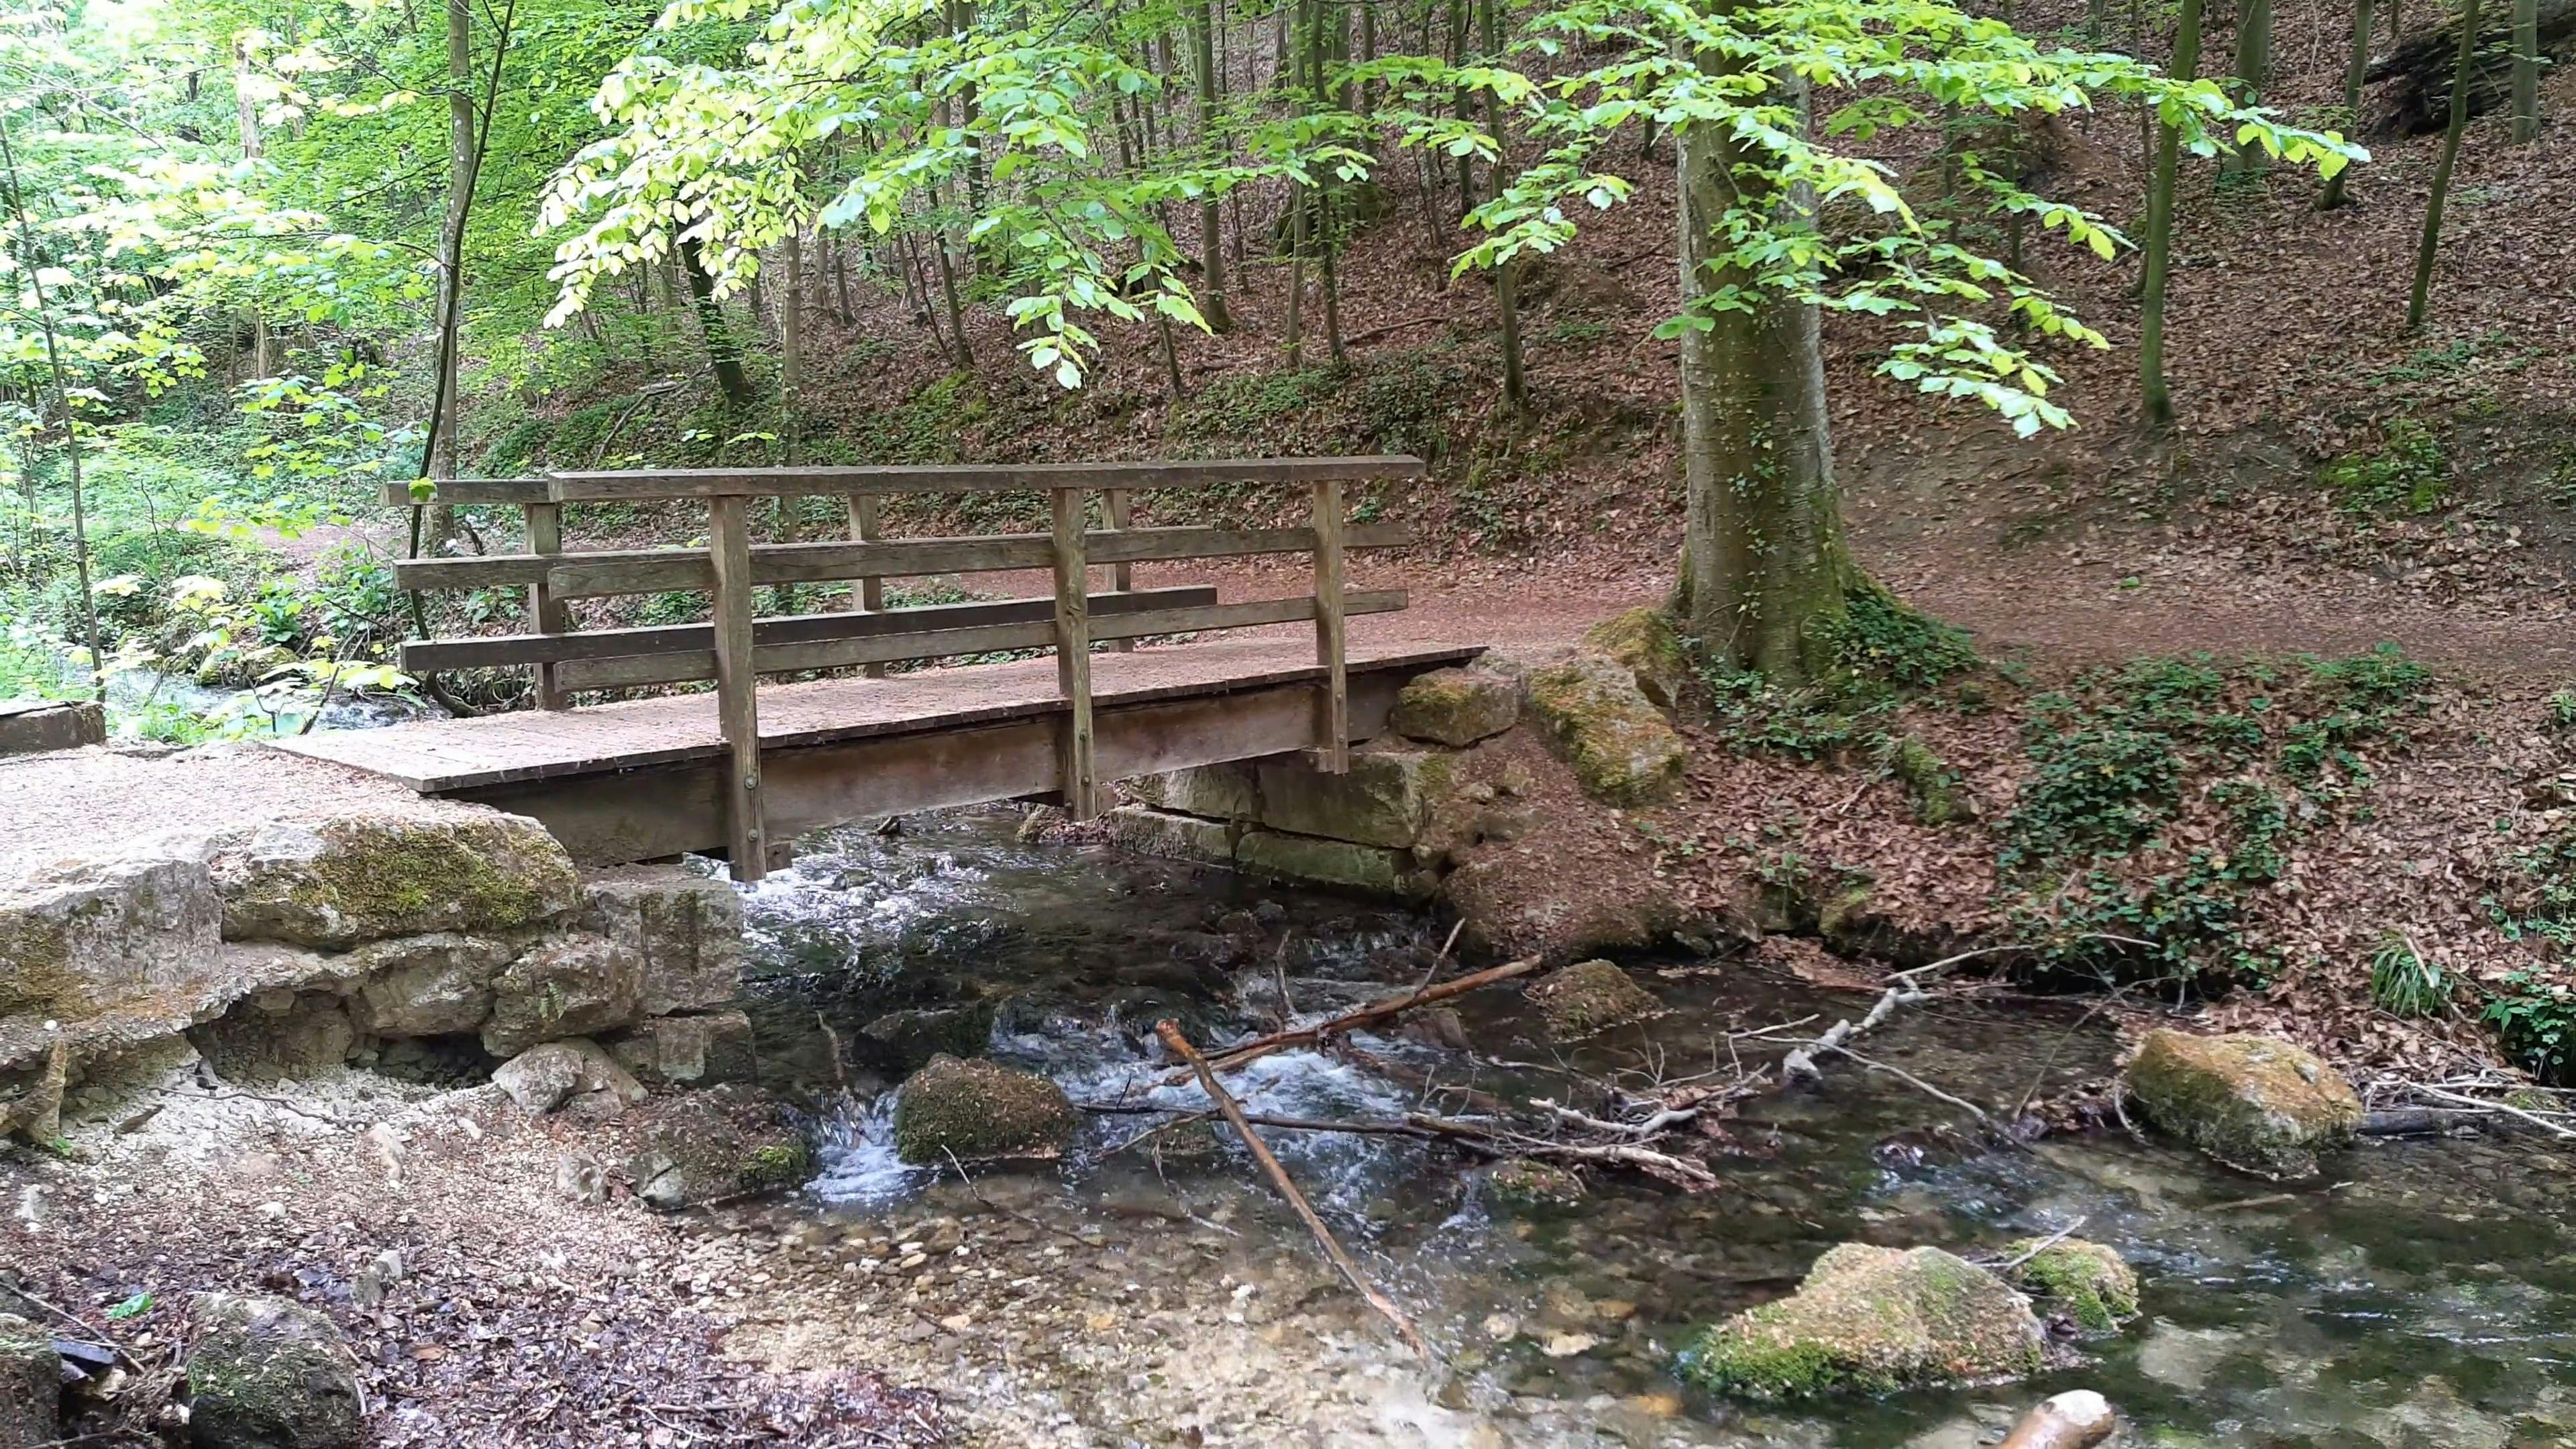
<point>673,483</point>
<point>606,572</point>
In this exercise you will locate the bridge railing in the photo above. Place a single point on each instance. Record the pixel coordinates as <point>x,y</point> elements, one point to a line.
<point>736,646</point>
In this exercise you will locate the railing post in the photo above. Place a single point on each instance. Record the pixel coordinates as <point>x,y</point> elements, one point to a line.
<point>1122,516</point>
<point>737,702</point>
<point>1073,652</point>
<point>869,596</point>
<point>1333,728</point>
<point>545,611</point>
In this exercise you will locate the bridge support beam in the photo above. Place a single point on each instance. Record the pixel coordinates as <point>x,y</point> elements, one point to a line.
<point>737,699</point>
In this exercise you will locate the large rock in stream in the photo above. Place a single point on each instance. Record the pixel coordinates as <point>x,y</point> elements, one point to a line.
<point>2256,1103</point>
<point>1872,1320</point>
<point>980,1110</point>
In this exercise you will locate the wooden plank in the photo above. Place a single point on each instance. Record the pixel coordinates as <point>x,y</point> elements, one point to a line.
<point>659,570</point>
<point>609,818</point>
<point>1073,653</point>
<point>474,490</point>
<point>867,525</point>
<point>545,537</point>
<point>1250,614</point>
<point>1122,576</point>
<point>970,477</point>
<point>1331,631</point>
<point>499,651</point>
<point>737,702</point>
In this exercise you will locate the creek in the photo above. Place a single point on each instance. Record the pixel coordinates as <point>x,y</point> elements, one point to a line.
<point>2426,1299</point>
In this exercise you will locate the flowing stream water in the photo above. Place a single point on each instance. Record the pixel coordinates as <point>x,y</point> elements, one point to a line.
<point>2428,1298</point>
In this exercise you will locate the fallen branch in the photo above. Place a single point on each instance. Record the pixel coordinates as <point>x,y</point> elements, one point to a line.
<point>1262,1046</point>
<point>1680,1172</point>
<point>1800,1064</point>
<point>1918,1084</point>
<point>105,1339</point>
<point>2455,1099</point>
<point>2043,1245</point>
<point>1179,1046</point>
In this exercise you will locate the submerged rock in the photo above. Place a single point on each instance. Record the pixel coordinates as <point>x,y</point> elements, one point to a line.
<point>2087,1282</point>
<point>718,1143</point>
<point>269,1374</point>
<point>1619,745</point>
<point>1872,1320</point>
<point>30,1383</point>
<point>980,1110</point>
<point>1522,1182</point>
<point>2257,1103</point>
<point>1589,997</point>
<point>1456,707</point>
<point>1644,641</point>
<point>906,1041</point>
<point>574,1073</point>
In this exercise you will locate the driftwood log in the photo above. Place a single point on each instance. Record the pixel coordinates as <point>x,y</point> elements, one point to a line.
<point>2421,66</point>
<point>1349,1021</point>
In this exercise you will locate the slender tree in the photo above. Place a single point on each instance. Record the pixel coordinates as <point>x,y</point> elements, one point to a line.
<point>31,260</point>
<point>2158,245</point>
<point>1202,23</point>
<point>2526,71</point>
<point>2420,299</point>
<point>2253,73</point>
<point>2356,66</point>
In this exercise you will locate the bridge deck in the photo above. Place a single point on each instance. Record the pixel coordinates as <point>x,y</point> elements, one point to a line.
<point>441,757</point>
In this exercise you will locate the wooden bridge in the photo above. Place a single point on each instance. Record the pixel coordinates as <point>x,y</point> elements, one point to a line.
<point>744,770</point>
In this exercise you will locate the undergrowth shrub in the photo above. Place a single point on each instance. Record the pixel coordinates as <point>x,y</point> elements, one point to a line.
<point>2163,793</point>
<point>2535,1020</point>
<point>2408,473</point>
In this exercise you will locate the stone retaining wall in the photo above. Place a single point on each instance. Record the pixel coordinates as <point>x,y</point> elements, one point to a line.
<point>281,949</point>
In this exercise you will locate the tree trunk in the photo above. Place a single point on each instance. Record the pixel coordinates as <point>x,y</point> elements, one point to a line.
<point>451,270</point>
<point>2159,240</point>
<point>251,151</point>
<point>1211,239</point>
<point>2417,304</point>
<point>791,355</point>
<point>1762,551</point>
<point>2526,71</point>
<point>722,350</point>
<point>2253,74</point>
<point>2356,66</point>
<point>1507,279</point>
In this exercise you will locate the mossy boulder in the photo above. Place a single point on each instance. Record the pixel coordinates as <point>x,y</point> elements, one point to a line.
<point>1524,1183</point>
<point>1383,799</point>
<point>1644,642</point>
<point>2087,1282</point>
<point>1456,707</point>
<point>1872,1320</point>
<point>1589,997</point>
<point>2256,1103</point>
<point>1926,777</point>
<point>906,1041</point>
<point>1376,869</point>
<point>1621,748</point>
<point>980,1110</point>
<point>719,1143</point>
<point>341,881</point>
<point>265,1373</point>
<point>31,1383</point>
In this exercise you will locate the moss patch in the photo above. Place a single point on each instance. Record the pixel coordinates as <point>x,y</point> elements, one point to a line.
<point>2087,1282</point>
<point>1455,707</point>
<point>1644,642</point>
<point>1621,748</point>
<point>364,878</point>
<point>2254,1102</point>
<point>1871,1320</point>
<point>1523,1183</point>
<point>1589,997</point>
<point>980,1110</point>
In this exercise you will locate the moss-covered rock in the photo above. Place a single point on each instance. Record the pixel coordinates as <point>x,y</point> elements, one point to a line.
<point>1524,1183</point>
<point>1619,745</point>
<point>1456,707</point>
<point>93,935</point>
<point>349,879</point>
<point>265,1373</point>
<point>2256,1103</point>
<point>1928,779</point>
<point>980,1110</point>
<point>1383,799</point>
<point>31,1383</point>
<point>719,1143</point>
<point>1871,1320</point>
<point>1230,791</point>
<point>906,1041</point>
<point>1589,997</point>
<point>2087,1282</point>
<point>1644,642</point>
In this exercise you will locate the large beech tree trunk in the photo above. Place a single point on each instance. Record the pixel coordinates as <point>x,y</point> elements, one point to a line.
<point>1763,563</point>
